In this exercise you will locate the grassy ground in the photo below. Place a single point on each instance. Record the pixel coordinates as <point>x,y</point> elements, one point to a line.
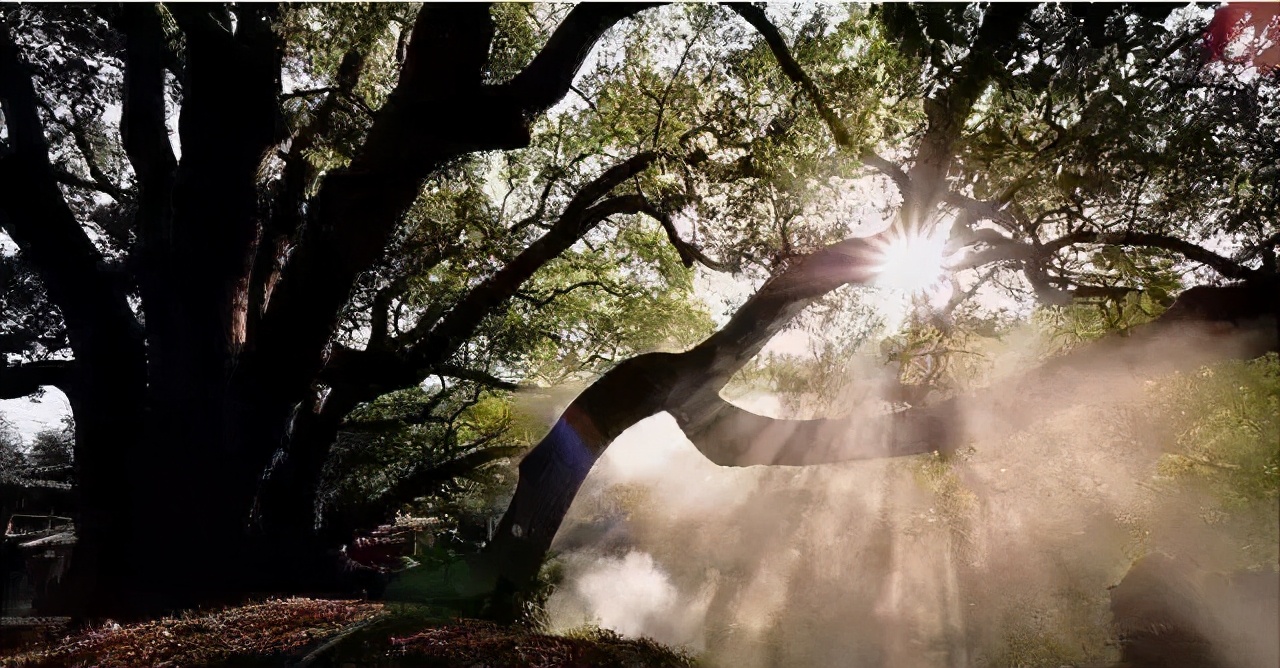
<point>346,634</point>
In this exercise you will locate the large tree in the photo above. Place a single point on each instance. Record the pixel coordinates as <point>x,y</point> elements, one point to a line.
<point>222,310</point>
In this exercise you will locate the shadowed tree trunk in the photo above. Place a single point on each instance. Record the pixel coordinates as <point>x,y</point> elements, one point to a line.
<point>182,408</point>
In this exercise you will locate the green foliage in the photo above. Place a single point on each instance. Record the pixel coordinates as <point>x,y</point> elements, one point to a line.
<point>1224,422</point>
<point>516,39</point>
<point>379,451</point>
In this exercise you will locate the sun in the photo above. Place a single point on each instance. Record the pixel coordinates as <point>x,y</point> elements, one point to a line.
<point>913,262</point>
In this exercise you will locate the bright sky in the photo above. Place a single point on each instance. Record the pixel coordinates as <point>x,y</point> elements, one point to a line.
<point>30,416</point>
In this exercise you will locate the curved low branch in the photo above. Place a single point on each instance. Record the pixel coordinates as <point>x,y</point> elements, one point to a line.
<point>647,384</point>
<point>1205,324</point>
<point>732,436</point>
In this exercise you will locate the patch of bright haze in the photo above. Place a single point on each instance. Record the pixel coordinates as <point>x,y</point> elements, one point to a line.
<point>1007,549</point>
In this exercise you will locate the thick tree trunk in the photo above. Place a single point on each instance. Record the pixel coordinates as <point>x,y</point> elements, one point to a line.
<point>300,553</point>
<point>108,407</point>
<point>195,486</point>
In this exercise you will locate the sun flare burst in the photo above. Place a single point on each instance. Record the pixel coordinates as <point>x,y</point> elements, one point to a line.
<point>913,262</point>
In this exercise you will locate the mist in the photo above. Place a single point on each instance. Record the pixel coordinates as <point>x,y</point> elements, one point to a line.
<point>1000,555</point>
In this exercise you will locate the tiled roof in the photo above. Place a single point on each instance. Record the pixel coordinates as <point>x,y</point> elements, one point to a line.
<point>54,540</point>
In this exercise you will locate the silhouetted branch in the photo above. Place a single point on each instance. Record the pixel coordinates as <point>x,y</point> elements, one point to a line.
<point>26,379</point>
<point>36,216</point>
<point>424,480</point>
<point>99,180</point>
<point>558,292</point>
<point>549,77</point>
<point>689,253</point>
<point>582,214</point>
<point>1223,265</point>
<point>478,376</point>
<point>143,128</point>
<point>66,177</point>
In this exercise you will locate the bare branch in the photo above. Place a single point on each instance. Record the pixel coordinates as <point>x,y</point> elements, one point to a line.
<point>754,14</point>
<point>66,177</point>
<point>558,292</point>
<point>689,253</point>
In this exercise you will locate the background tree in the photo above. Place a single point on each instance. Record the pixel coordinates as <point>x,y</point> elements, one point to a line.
<point>12,457</point>
<point>54,448</point>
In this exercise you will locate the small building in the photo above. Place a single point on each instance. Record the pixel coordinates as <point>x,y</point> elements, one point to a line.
<point>386,547</point>
<point>35,550</point>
